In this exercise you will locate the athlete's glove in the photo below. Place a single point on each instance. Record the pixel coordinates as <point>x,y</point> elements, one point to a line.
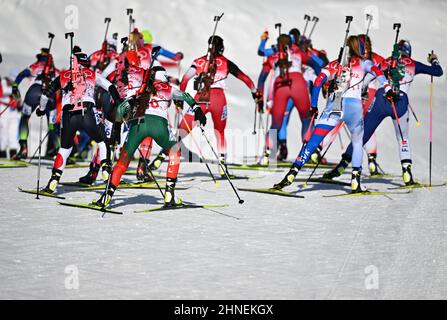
<point>178,104</point>
<point>391,96</point>
<point>178,56</point>
<point>40,112</point>
<point>314,112</point>
<point>432,58</point>
<point>115,135</point>
<point>265,35</point>
<point>15,91</point>
<point>199,116</point>
<point>259,99</point>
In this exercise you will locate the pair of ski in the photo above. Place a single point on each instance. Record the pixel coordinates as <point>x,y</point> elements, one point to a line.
<point>14,164</point>
<point>275,167</point>
<point>182,205</point>
<point>330,181</point>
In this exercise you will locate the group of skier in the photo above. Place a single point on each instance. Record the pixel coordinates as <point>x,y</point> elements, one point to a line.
<point>120,100</point>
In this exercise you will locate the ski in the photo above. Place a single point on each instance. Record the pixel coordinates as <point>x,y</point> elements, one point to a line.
<point>365,193</point>
<point>41,193</point>
<point>75,184</point>
<point>184,206</point>
<point>272,191</point>
<point>381,175</point>
<point>11,165</point>
<point>14,164</point>
<point>418,185</point>
<point>233,177</point>
<point>139,185</point>
<point>323,180</point>
<point>91,206</point>
<point>134,172</point>
<point>253,167</point>
<point>306,165</point>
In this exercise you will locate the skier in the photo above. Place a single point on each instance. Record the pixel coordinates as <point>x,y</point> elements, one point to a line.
<point>382,109</point>
<point>9,118</point>
<point>42,72</point>
<point>212,99</point>
<point>368,94</point>
<point>352,76</point>
<point>116,71</point>
<point>150,95</point>
<point>288,84</point>
<point>77,86</point>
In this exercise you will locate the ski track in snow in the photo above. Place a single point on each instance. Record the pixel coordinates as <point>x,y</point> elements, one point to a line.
<point>268,248</point>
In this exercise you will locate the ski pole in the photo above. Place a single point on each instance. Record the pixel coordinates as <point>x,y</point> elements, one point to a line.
<point>336,132</point>
<point>216,183</point>
<point>37,150</point>
<point>150,171</point>
<point>369,18</point>
<point>397,121</point>
<point>222,166</point>
<point>254,122</point>
<point>315,21</point>
<point>307,19</point>
<point>38,166</point>
<point>7,107</point>
<point>431,129</point>
<point>418,123</point>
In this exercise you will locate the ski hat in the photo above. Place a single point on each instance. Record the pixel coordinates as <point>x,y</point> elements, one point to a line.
<point>112,42</point>
<point>295,35</point>
<point>405,47</point>
<point>160,74</point>
<point>284,41</point>
<point>217,44</point>
<point>82,57</point>
<point>135,39</point>
<point>147,36</point>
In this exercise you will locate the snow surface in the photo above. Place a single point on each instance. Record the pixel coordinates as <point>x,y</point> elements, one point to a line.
<point>270,247</point>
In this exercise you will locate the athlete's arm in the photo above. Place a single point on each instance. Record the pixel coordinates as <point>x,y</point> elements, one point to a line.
<point>262,51</point>
<point>192,71</point>
<point>26,73</point>
<point>50,92</point>
<point>369,67</point>
<point>235,71</point>
<point>102,82</point>
<point>434,70</point>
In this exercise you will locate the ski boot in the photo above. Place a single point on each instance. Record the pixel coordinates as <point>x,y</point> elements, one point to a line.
<point>54,180</point>
<point>337,171</point>
<point>265,159</point>
<point>170,200</point>
<point>355,181</point>
<point>223,167</point>
<point>23,152</point>
<point>142,174</point>
<point>157,161</point>
<point>282,151</point>
<point>316,156</point>
<point>106,197</point>
<point>406,173</point>
<point>288,179</point>
<point>372,164</point>
<point>3,154</point>
<point>91,175</point>
<point>106,166</point>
